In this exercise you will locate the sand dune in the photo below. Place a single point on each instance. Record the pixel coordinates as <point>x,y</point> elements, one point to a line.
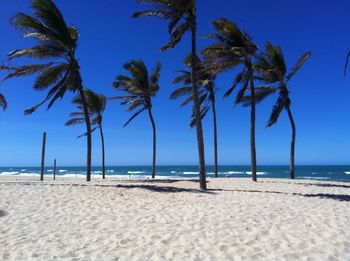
<point>172,220</point>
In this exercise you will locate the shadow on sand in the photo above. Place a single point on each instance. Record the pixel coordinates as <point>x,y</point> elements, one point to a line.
<point>325,185</point>
<point>3,213</point>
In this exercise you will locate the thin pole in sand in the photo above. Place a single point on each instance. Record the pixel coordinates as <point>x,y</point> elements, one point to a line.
<point>43,157</point>
<point>54,169</point>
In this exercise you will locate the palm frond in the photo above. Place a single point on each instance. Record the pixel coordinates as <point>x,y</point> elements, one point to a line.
<point>50,76</point>
<point>176,36</point>
<point>75,121</point>
<point>261,93</point>
<point>181,92</point>
<point>3,102</point>
<point>276,111</point>
<point>298,65</point>
<point>92,130</point>
<point>26,70</point>
<point>346,63</point>
<point>134,116</point>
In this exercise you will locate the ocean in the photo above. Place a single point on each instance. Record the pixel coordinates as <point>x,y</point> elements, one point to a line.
<point>331,173</point>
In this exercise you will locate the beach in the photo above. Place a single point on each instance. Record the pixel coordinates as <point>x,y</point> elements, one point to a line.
<point>171,219</point>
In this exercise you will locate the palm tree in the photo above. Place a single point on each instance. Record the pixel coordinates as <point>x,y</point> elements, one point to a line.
<point>182,18</point>
<point>233,48</point>
<point>271,68</point>
<point>205,82</point>
<point>56,43</point>
<point>140,87</point>
<point>96,106</point>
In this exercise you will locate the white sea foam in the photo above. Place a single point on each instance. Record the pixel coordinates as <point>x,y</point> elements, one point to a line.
<point>8,173</point>
<point>233,172</point>
<point>257,173</point>
<point>97,172</point>
<point>175,172</point>
<point>23,169</point>
<point>136,172</point>
<point>190,172</point>
<point>29,174</point>
<point>50,170</point>
<point>347,172</point>
<point>314,177</point>
<point>110,170</point>
<point>62,170</point>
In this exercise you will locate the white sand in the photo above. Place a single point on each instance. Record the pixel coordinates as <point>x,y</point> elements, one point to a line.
<point>172,220</point>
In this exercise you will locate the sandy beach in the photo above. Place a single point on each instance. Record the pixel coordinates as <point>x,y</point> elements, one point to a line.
<point>235,219</point>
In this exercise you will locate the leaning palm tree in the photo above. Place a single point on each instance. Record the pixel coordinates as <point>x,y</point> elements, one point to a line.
<point>271,69</point>
<point>233,48</point>
<point>96,106</point>
<point>56,43</point>
<point>182,18</point>
<point>140,87</point>
<point>205,82</point>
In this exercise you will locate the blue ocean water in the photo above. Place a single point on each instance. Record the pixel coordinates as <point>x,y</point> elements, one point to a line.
<point>331,173</point>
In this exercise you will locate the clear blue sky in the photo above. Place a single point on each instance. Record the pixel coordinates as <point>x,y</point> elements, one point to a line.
<point>110,37</point>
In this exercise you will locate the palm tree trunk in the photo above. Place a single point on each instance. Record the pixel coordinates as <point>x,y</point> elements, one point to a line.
<point>88,132</point>
<point>215,140</point>
<point>154,144</point>
<point>103,152</point>
<point>252,124</point>
<point>43,157</point>
<point>292,147</point>
<point>196,107</point>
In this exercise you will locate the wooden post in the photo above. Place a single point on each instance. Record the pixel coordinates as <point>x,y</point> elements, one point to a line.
<point>54,169</point>
<point>43,157</point>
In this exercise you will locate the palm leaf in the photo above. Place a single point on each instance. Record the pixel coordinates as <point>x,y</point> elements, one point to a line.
<point>50,76</point>
<point>346,63</point>
<point>276,111</point>
<point>298,65</point>
<point>134,116</point>
<point>3,102</point>
<point>75,121</point>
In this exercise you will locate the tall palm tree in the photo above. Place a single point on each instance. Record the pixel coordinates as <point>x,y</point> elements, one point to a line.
<point>233,48</point>
<point>206,84</point>
<point>182,17</point>
<point>96,106</point>
<point>271,69</point>
<point>140,87</point>
<point>56,43</point>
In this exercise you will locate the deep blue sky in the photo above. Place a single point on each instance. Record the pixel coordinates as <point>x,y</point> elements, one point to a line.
<point>110,37</point>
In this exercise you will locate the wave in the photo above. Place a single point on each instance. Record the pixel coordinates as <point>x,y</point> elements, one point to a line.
<point>50,170</point>
<point>23,170</point>
<point>136,172</point>
<point>110,170</point>
<point>190,172</point>
<point>347,172</point>
<point>315,178</point>
<point>8,173</point>
<point>62,170</point>
<point>257,173</point>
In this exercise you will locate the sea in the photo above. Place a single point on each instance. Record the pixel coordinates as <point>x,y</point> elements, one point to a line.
<point>331,173</point>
